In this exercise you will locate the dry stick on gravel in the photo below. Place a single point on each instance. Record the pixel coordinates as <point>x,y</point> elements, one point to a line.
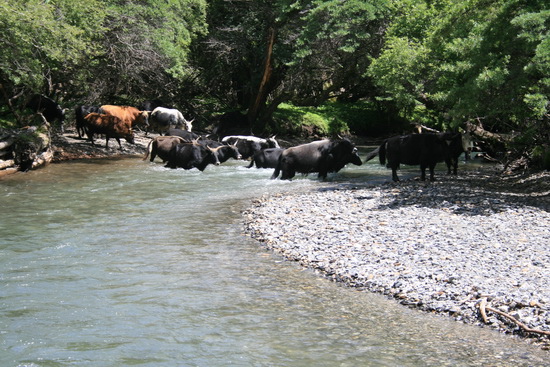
<point>482,305</point>
<point>483,308</point>
<point>520,324</point>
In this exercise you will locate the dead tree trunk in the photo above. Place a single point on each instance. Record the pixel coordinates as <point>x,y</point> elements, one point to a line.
<point>263,90</point>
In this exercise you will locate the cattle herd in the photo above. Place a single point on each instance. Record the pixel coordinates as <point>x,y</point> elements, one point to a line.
<point>179,147</point>
<point>184,149</point>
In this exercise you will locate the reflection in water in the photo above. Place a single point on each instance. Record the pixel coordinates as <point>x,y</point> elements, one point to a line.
<point>123,262</point>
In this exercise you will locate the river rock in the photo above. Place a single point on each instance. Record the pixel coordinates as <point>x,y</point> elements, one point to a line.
<point>439,247</point>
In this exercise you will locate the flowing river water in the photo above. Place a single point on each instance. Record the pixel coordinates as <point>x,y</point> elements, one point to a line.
<point>121,262</point>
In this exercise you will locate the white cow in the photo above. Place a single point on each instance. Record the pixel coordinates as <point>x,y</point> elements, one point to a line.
<point>162,119</point>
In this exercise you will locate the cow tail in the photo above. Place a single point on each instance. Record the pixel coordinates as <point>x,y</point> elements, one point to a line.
<point>382,153</point>
<point>148,150</point>
<point>251,163</point>
<point>278,168</point>
<point>372,154</point>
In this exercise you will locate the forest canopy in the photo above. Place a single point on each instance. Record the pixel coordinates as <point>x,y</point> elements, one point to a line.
<point>447,64</point>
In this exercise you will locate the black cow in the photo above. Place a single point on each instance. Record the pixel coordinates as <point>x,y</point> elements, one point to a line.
<point>189,155</point>
<point>266,158</point>
<point>223,151</point>
<point>456,145</point>
<point>425,150</point>
<point>321,156</point>
<point>80,112</point>
<point>187,135</point>
<point>48,107</point>
<point>249,144</point>
<point>150,105</point>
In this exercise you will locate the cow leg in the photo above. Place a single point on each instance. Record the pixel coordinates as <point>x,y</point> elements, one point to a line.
<point>432,174</point>
<point>288,174</point>
<point>394,175</point>
<point>90,137</point>
<point>423,172</point>
<point>275,173</point>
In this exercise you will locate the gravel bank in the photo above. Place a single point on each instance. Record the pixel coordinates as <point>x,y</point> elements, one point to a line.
<point>445,247</point>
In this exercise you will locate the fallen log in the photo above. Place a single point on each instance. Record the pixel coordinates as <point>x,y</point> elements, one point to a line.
<point>7,164</point>
<point>43,159</point>
<point>6,143</point>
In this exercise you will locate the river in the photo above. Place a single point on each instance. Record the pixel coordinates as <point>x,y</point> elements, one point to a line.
<point>121,262</point>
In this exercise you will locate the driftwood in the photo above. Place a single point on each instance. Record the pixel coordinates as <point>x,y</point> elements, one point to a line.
<point>7,164</point>
<point>483,308</point>
<point>42,159</point>
<point>6,143</point>
<point>421,128</point>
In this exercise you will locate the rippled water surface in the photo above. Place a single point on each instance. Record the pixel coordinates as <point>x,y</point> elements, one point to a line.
<point>124,262</point>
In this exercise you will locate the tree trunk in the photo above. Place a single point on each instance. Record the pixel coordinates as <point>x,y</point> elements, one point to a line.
<point>263,90</point>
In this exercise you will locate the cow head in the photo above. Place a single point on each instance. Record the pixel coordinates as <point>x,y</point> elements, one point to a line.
<point>188,124</point>
<point>142,119</point>
<point>272,143</point>
<point>345,152</point>
<point>213,153</point>
<point>130,137</point>
<point>234,151</point>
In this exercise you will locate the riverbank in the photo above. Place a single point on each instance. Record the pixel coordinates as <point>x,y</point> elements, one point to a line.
<point>473,247</point>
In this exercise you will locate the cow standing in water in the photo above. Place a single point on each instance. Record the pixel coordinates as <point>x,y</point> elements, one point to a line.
<point>321,156</point>
<point>266,158</point>
<point>425,150</point>
<point>192,155</point>
<point>161,147</point>
<point>249,144</point>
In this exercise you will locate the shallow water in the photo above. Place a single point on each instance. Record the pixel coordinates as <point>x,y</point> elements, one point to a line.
<point>123,262</point>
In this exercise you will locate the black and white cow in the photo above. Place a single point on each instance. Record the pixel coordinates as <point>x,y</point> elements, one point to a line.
<point>162,119</point>
<point>249,144</point>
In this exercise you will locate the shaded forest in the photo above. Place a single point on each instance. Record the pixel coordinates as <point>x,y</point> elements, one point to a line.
<point>363,67</point>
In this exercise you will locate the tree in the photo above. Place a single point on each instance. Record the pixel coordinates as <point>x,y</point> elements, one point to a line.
<point>477,60</point>
<point>262,53</point>
<point>42,40</point>
<point>116,51</point>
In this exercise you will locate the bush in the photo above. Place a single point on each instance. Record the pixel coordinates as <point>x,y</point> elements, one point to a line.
<point>334,118</point>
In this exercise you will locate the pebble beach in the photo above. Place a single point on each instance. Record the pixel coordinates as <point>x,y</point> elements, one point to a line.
<point>474,247</point>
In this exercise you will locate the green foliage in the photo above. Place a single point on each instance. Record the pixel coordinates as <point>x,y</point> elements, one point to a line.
<point>446,62</point>
<point>333,118</point>
<point>37,42</point>
<point>353,66</point>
